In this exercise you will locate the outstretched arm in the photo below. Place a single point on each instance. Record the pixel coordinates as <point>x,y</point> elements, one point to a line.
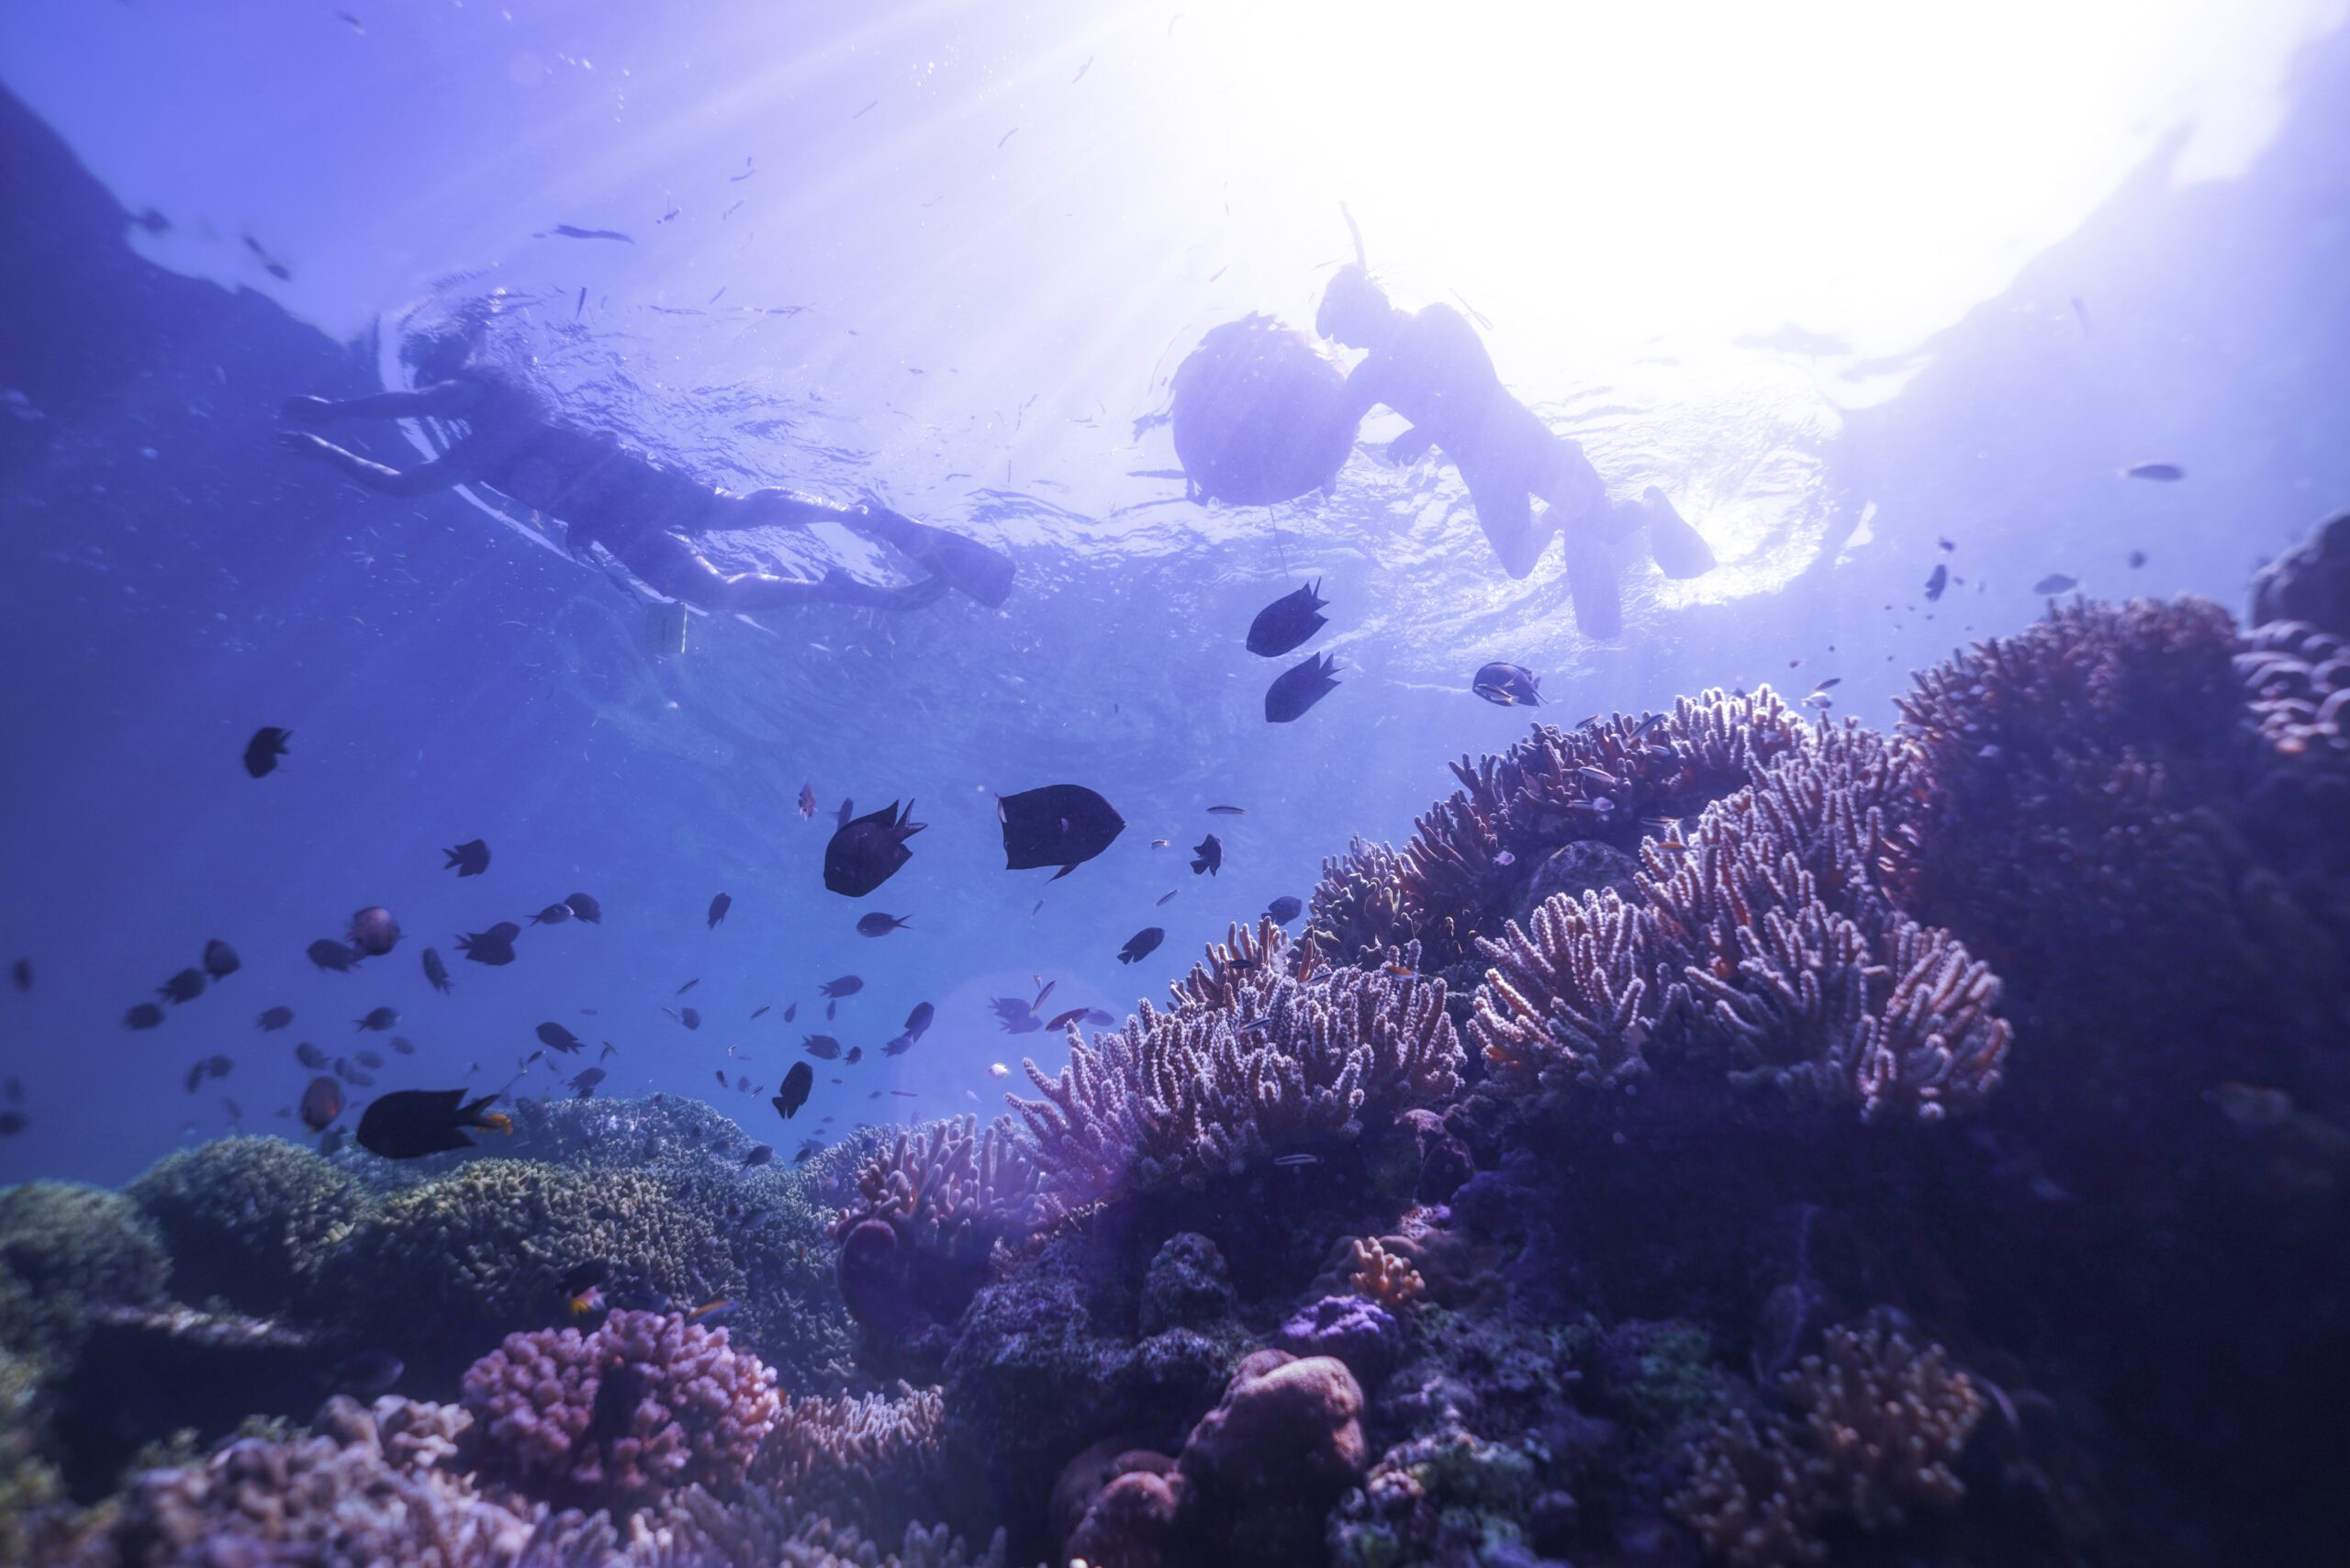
<point>443,399</point>
<point>438,474</point>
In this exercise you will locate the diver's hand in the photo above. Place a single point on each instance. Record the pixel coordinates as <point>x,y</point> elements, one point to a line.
<point>302,444</point>
<point>307,410</point>
<point>1409,447</point>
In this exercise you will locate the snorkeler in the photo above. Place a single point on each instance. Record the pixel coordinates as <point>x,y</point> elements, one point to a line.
<point>643,510</point>
<point>1431,368</point>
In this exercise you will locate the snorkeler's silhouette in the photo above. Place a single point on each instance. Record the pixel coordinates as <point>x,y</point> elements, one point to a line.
<point>642,509</point>
<point>1431,368</point>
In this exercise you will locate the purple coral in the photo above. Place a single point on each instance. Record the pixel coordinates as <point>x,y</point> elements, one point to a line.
<point>930,1207</point>
<point>1356,1330</point>
<point>621,1417</point>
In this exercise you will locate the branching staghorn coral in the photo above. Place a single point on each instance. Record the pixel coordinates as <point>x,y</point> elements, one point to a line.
<point>1761,953</point>
<point>951,1188</point>
<point>1251,1062</point>
<point>864,1458</point>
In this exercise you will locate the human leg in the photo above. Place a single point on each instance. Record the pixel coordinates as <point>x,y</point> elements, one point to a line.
<point>675,567</point>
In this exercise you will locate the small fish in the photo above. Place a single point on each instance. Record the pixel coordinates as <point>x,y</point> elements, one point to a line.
<point>585,1080</point>
<point>21,972</point>
<point>495,945</point>
<point>2137,558</point>
<point>146,1016</point>
<point>2055,582</point>
<point>579,304</point>
<point>218,1066</point>
<point>1161,901</point>
<point>309,1056</point>
<point>556,1037</point>
<point>1945,545</point>
<point>759,1155</point>
<point>1507,685</point>
<point>321,1103</point>
<point>2162,473</point>
<point>583,1286</point>
<point>918,1021</point>
<point>824,1047</point>
<point>806,802</point>
<point>790,1011</point>
<point>689,1018</point>
<point>1015,1016</point>
<point>403,1044</point>
<point>1598,776</point>
<point>1287,622</point>
<point>846,985</point>
<point>583,906</point>
<point>1060,1021</point>
<point>687,987</point>
<point>220,960</point>
<point>796,1085</point>
<point>378,1019</point>
<point>762,1008</point>
<point>906,1093</point>
<point>1298,687</point>
<point>554,914</point>
<point>1829,684</point>
<point>720,1075</point>
<point>718,908</point>
<point>610,1051</point>
<point>1504,859</point>
<point>195,1077</point>
<point>1141,945</point>
<point>573,231</point>
<point>806,1151</point>
<point>1207,855</point>
<point>263,750</point>
<point>184,986</point>
<point>1227,811</point>
<point>12,1122</point>
<point>1056,824</point>
<point>407,1123</point>
<point>470,859</point>
<point>1284,909</point>
<point>352,1075</point>
<point>436,973</point>
<point>1938,582</point>
<point>714,1313</point>
<point>1295,1160</point>
<point>328,954</point>
<point>856,1053</point>
<point>367,1375</point>
<point>1155,844</point>
<point>867,851</point>
<point>878,924</point>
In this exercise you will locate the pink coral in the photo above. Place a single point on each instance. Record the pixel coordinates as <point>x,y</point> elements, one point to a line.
<point>646,1404</point>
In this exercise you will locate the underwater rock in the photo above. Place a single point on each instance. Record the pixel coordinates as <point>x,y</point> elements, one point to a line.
<point>2310,582</point>
<point>1187,1286</point>
<point>1265,1465</point>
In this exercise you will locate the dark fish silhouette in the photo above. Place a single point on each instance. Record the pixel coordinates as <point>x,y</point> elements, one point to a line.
<point>807,1151</point>
<point>436,973</point>
<point>585,907</point>
<point>824,1047</point>
<point>1937,583</point>
<point>373,931</point>
<point>21,972</point>
<point>1141,945</point>
<point>918,1021</point>
<point>1284,909</point>
<point>718,908</point>
<point>220,960</point>
<point>878,924</point>
<point>321,1103</point>
<point>687,987</point>
<point>275,1018</point>
<point>263,750</point>
<point>1060,1021</point>
<point>1163,900</point>
<point>846,985</point>
<point>807,802</point>
<point>867,851</point>
<point>184,986</point>
<point>379,1019</point>
<point>1207,855</point>
<point>369,1373</point>
<point>589,1077</point>
<point>1298,687</point>
<point>367,1058</point>
<point>2055,582</point>
<point>1016,1016</point>
<point>554,914</point>
<point>495,945</point>
<point>471,858</point>
<point>796,1085</point>
<point>309,1056</point>
<point>689,1018</point>
<point>410,1123</point>
<point>555,1036</point>
<point>1507,685</point>
<point>195,1077</point>
<point>760,1154</point>
<point>847,809</point>
<point>2164,472</point>
<point>330,954</point>
<point>352,1075</point>
<point>403,1044</point>
<point>573,231</point>
<point>1288,621</point>
<point>758,1011</point>
<point>790,1011</point>
<point>1059,825</point>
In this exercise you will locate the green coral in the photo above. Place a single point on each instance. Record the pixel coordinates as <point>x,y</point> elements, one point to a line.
<point>69,1248</point>
<point>246,1219</point>
<point>27,1482</point>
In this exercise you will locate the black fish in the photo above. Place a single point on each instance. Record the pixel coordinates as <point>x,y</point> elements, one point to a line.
<point>1938,582</point>
<point>796,1085</point>
<point>612,1413</point>
<point>762,1009</point>
<point>367,1375</point>
<point>824,1047</point>
<point>846,985</point>
<point>309,1056</point>
<point>410,1123</point>
<point>554,914</point>
<point>2166,473</point>
<point>495,945</point>
<point>220,960</point>
<point>403,1044</point>
<point>146,1016</point>
<point>758,1156</point>
<point>352,1075</point>
<point>263,750</point>
<point>1163,900</point>
<point>585,907</point>
<point>379,1019</point>
<point>1298,687</point>
<point>1059,825</point>
<point>2055,582</point>
<point>436,973</point>
<point>2137,558</point>
<point>1507,685</point>
<point>918,1021</point>
<point>1016,1016</point>
<point>718,908</point>
<point>195,1077</point>
<point>807,1151</point>
<point>1284,909</point>
<point>586,1080</point>
<point>689,1018</point>
<point>184,986</point>
<point>367,1058</point>
<point>847,809</point>
<point>1207,855</point>
<point>218,1066</point>
<point>321,1103</point>
<point>573,231</point>
<point>275,1018</point>
<point>471,858</point>
<point>790,1011</point>
<point>560,1039</point>
<point>878,924</point>
<point>1289,621</point>
<point>1141,945</point>
<point>866,852</point>
<point>1060,1021</point>
<point>21,972</point>
<point>1227,811</point>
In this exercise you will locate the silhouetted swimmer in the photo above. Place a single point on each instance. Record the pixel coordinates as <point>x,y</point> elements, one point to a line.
<point>645,511</point>
<point>1430,366</point>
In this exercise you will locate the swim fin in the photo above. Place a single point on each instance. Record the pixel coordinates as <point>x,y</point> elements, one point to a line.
<point>970,567</point>
<point>1680,550</point>
<point>1591,584</point>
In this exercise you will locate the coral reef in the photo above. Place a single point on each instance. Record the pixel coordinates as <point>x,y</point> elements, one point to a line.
<point>68,1250</point>
<point>2310,582</point>
<point>621,1417</point>
<point>245,1218</point>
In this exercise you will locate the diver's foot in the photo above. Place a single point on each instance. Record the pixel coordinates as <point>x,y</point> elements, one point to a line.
<point>1680,550</point>
<point>1591,584</point>
<point>968,566</point>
